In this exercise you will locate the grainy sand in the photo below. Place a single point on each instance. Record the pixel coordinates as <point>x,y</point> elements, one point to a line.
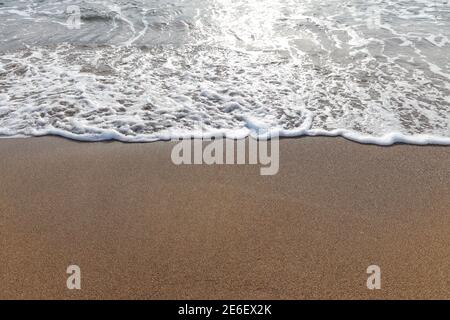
<point>141,227</point>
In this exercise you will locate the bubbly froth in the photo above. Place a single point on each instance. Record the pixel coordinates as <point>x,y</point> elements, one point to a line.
<point>151,70</point>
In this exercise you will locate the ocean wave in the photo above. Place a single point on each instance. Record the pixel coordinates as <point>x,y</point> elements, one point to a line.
<point>154,70</point>
<point>148,94</point>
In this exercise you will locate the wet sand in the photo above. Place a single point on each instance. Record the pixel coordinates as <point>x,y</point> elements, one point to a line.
<point>141,227</point>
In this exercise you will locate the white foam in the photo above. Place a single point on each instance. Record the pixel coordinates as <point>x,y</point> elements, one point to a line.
<point>241,66</point>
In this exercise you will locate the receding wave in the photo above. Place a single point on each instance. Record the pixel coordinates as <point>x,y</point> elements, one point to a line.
<point>165,69</point>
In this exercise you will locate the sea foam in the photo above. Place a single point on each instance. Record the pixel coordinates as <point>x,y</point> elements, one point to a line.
<point>161,70</point>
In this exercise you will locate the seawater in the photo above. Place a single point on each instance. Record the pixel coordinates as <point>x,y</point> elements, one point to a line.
<point>145,70</point>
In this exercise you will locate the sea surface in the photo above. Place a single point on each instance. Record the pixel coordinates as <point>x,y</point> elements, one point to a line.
<point>145,70</point>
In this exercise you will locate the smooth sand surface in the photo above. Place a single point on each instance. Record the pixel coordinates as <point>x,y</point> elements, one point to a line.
<point>141,227</point>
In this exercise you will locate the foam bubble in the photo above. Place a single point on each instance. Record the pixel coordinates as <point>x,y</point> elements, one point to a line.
<point>231,68</point>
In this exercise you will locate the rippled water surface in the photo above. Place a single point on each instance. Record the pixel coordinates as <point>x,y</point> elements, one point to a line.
<point>144,70</point>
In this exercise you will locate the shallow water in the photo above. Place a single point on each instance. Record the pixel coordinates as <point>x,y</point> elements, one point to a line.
<point>372,71</point>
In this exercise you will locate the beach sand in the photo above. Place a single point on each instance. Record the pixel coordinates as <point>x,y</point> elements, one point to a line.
<point>141,227</point>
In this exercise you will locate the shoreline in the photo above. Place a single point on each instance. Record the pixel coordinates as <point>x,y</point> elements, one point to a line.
<point>387,140</point>
<point>141,227</point>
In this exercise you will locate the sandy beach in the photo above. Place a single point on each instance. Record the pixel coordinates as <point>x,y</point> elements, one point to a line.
<point>141,227</point>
